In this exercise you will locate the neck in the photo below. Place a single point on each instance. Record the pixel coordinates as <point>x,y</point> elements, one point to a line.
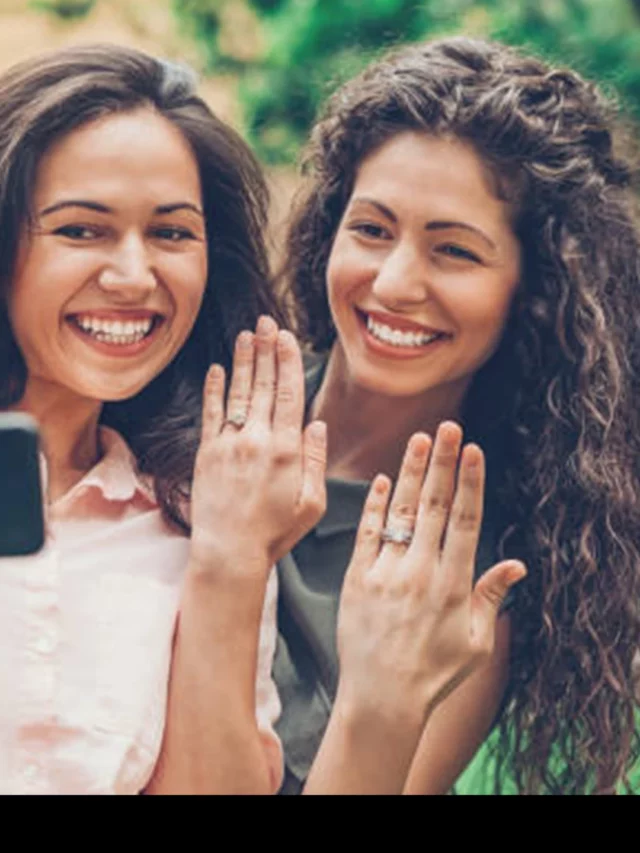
<point>368,431</point>
<point>68,432</point>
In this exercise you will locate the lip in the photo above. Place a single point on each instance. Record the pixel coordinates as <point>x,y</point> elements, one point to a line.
<point>400,323</point>
<point>117,350</point>
<point>104,314</point>
<point>392,351</point>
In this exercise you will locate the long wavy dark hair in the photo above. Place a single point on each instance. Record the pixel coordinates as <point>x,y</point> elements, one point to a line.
<point>47,97</point>
<point>564,446</point>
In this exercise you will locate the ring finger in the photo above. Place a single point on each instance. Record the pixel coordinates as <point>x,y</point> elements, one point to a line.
<point>403,509</point>
<point>241,382</point>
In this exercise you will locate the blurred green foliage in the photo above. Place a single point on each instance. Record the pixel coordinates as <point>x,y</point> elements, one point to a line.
<point>306,47</point>
<point>289,54</point>
<point>65,9</point>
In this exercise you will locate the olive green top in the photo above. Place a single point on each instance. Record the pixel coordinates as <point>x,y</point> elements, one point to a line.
<point>310,579</point>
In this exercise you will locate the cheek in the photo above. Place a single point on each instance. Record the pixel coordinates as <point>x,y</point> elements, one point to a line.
<point>348,274</point>
<point>483,307</point>
<point>189,277</point>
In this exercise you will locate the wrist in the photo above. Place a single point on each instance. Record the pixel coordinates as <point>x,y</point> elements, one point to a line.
<point>365,750</point>
<point>221,562</point>
<point>381,714</point>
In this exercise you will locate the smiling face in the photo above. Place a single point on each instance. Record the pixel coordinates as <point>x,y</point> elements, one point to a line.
<point>423,268</point>
<point>110,279</point>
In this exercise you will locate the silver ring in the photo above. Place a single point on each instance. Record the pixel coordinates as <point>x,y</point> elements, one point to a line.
<point>397,536</point>
<point>237,420</point>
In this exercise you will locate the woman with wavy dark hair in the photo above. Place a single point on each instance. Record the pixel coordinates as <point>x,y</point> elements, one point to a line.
<point>466,249</point>
<point>136,646</point>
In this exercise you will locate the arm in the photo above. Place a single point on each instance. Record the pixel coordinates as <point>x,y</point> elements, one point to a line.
<point>411,627</point>
<point>212,743</point>
<point>460,724</point>
<point>257,488</point>
<point>454,731</point>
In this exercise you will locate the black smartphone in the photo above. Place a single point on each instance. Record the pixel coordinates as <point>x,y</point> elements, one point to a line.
<point>21,511</point>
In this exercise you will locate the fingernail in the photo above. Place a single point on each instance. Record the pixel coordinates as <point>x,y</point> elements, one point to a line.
<point>285,338</point>
<point>420,443</point>
<point>245,339</point>
<point>472,455</point>
<point>450,431</point>
<point>517,571</point>
<point>216,374</point>
<point>318,431</point>
<point>381,484</point>
<point>265,325</point>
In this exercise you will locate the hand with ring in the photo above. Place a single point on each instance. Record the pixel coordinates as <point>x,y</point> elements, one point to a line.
<point>412,624</point>
<point>259,478</point>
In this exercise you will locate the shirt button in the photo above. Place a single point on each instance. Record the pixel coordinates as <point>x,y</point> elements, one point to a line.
<point>30,771</point>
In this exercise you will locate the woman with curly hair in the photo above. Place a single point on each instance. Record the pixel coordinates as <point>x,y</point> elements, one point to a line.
<point>466,250</point>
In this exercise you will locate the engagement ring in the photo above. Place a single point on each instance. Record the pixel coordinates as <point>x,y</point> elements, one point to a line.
<point>238,420</point>
<point>397,536</point>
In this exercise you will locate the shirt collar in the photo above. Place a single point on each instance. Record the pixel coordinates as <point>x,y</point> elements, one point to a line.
<point>116,475</point>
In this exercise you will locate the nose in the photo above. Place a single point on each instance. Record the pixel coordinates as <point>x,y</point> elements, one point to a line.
<point>402,280</point>
<point>128,275</point>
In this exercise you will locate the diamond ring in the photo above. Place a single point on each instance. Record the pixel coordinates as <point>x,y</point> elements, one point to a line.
<point>237,420</point>
<point>397,536</point>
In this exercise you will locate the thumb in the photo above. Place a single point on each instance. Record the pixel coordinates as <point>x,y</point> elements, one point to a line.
<point>491,590</point>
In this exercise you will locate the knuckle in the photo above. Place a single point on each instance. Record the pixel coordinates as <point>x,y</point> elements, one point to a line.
<point>315,501</point>
<point>285,454</point>
<point>316,457</point>
<point>414,468</point>
<point>249,446</point>
<point>264,384</point>
<point>369,531</point>
<point>237,399</point>
<point>403,512</point>
<point>465,519</point>
<point>374,585</point>
<point>436,503</point>
<point>286,394</point>
<point>456,597</point>
<point>445,460</point>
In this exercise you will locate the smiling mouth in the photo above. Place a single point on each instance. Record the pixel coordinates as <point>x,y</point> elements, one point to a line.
<point>408,338</point>
<point>123,332</point>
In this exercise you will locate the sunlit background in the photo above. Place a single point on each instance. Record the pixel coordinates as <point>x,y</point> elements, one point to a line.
<point>266,65</point>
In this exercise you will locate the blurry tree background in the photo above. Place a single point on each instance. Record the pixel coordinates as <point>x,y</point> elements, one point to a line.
<point>290,53</point>
<point>285,56</point>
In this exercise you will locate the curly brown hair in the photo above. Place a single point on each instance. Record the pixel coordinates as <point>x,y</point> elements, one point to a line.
<point>563,451</point>
<point>48,96</point>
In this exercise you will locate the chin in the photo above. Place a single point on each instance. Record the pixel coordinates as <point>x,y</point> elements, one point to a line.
<point>104,392</point>
<point>389,385</point>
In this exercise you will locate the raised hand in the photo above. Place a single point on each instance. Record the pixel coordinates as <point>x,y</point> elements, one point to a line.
<point>412,625</point>
<point>259,479</point>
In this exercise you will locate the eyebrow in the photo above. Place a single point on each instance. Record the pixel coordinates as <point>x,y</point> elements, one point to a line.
<point>440,225</point>
<point>97,207</point>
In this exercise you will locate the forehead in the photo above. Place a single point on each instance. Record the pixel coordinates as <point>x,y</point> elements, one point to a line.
<point>443,175</point>
<point>132,153</point>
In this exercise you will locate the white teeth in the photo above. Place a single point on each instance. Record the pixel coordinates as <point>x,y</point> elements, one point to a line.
<point>114,331</point>
<point>396,337</point>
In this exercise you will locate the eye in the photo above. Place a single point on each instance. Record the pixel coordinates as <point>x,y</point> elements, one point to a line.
<point>371,230</point>
<point>78,232</point>
<point>173,234</point>
<point>459,253</point>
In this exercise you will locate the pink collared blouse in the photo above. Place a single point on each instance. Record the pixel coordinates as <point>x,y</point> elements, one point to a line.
<point>86,629</point>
